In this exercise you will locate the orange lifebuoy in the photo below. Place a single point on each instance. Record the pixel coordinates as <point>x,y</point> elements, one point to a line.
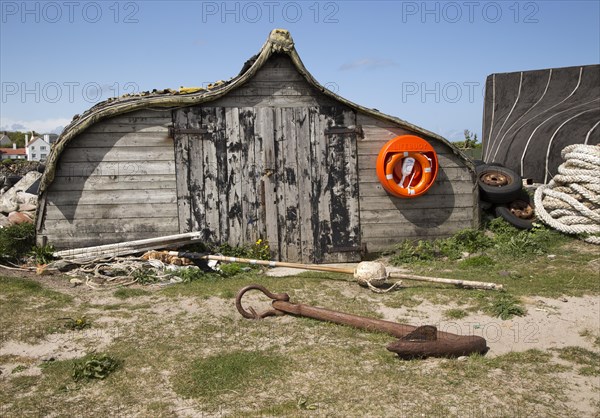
<point>409,189</point>
<point>418,175</point>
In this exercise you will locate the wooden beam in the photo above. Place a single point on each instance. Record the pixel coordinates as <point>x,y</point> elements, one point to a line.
<point>130,247</point>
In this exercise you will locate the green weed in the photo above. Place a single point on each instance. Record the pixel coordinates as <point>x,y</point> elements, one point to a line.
<point>225,372</point>
<point>144,276</point>
<point>505,306</point>
<point>78,323</point>
<point>16,241</point>
<point>188,275</point>
<point>94,366</point>
<point>43,254</point>
<point>230,269</point>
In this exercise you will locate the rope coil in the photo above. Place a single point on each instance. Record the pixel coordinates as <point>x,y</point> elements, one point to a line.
<point>570,203</point>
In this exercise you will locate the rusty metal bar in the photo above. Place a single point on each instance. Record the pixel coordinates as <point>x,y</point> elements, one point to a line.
<point>413,342</point>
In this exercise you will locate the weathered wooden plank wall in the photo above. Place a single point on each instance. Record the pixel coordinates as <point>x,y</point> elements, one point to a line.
<point>276,84</point>
<point>450,204</point>
<point>276,176</point>
<point>260,162</point>
<point>115,182</point>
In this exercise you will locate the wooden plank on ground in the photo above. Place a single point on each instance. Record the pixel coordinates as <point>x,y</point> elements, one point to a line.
<point>123,245</point>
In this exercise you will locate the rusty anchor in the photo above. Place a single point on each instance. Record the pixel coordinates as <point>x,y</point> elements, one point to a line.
<point>413,342</point>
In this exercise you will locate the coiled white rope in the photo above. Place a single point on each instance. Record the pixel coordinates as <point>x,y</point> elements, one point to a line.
<point>570,203</point>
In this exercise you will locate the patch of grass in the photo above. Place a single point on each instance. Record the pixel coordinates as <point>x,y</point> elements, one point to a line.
<point>130,292</point>
<point>455,313</point>
<point>16,241</point>
<point>505,306</point>
<point>23,383</point>
<point>476,261</point>
<point>225,372</point>
<point>499,242</point>
<point>478,366</point>
<point>19,369</point>
<point>589,360</point>
<point>28,310</point>
<point>569,272</point>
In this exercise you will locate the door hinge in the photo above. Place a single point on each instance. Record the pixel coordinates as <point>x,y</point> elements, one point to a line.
<point>341,130</point>
<point>186,131</point>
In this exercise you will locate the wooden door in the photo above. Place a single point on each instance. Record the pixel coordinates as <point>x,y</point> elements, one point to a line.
<point>288,175</point>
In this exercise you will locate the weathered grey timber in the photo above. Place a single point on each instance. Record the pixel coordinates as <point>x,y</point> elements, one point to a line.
<point>269,154</point>
<point>530,116</point>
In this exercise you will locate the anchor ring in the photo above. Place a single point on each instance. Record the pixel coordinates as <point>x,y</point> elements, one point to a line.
<point>253,314</point>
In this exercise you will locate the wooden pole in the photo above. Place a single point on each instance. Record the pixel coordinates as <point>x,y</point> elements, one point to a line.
<point>461,283</point>
<point>264,262</point>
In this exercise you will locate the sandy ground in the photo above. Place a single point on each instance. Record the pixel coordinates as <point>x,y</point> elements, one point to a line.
<point>549,323</point>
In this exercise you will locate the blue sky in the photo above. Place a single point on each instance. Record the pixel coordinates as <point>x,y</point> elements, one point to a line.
<point>425,62</point>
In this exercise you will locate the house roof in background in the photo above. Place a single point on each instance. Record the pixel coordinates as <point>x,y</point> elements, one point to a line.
<point>33,141</point>
<point>12,151</point>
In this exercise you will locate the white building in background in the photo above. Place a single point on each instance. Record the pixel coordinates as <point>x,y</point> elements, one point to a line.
<point>38,148</point>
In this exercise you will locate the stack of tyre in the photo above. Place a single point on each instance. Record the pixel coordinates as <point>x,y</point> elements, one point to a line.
<point>501,192</point>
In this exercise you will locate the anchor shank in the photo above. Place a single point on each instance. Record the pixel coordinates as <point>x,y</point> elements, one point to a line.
<point>322,314</point>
